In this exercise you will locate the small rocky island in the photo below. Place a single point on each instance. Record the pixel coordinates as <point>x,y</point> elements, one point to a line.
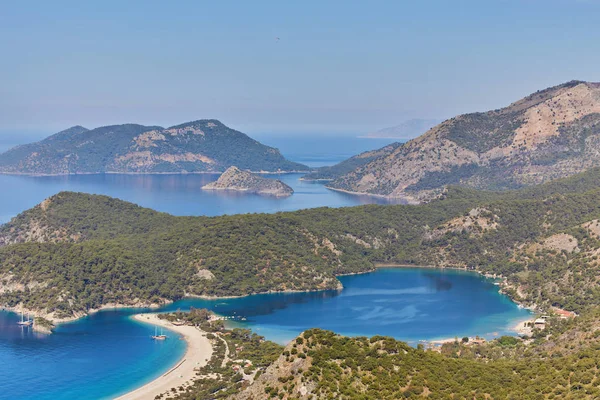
<point>243,181</point>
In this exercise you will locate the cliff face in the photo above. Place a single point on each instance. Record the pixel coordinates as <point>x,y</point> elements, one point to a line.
<point>199,146</point>
<point>549,134</point>
<point>243,181</point>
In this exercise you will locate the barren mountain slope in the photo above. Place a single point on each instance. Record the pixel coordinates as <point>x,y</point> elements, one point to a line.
<point>549,134</point>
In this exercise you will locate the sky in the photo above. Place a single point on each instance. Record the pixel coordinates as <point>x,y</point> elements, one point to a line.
<point>283,67</point>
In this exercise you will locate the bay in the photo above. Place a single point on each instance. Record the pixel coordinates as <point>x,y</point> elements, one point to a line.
<point>107,353</point>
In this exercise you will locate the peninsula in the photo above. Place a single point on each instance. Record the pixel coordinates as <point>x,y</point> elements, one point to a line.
<point>75,253</point>
<point>243,181</point>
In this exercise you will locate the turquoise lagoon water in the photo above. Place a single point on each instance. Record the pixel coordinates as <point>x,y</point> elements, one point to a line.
<point>107,353</point>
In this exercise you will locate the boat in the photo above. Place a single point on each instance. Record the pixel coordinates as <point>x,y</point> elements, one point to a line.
<point>25,322</point>
<point>157,336</point>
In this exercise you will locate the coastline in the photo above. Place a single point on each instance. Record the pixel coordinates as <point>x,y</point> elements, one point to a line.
<point>198,352</point>
<point>64,320</point>
<point>400,200</point>
<point>374,268</point>
<point>248,191</point>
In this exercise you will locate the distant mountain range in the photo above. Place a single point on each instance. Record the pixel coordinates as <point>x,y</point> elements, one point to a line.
<point>406,130</point>
<point>550,134</point>
<point>198,146</point>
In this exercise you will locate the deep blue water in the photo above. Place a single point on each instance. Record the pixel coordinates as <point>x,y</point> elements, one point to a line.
<point>107,353</point>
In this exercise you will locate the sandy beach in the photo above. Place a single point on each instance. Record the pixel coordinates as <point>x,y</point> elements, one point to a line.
<point>197,354</point>
<point>521,327</point>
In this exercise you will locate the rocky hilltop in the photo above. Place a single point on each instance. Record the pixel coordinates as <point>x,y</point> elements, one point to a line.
<point>550,134</point>
<point>243,181</point>
<point>198,146</point>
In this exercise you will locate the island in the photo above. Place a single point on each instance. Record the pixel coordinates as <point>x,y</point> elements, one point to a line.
<point>202,146</point>
<point>244,181</point>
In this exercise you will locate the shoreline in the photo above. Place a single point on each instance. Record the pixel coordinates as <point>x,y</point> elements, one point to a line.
<point>400,200</point>
<point>376,266</point>
<point>151,173</point>
<point>82,314</point>
<point>198,352</point>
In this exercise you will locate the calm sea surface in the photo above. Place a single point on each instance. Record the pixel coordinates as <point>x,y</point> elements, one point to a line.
<point>107,353</point>
<point>183,194</point>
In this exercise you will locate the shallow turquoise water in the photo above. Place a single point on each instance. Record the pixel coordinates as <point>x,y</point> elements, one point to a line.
<point>410,304</point>
<point>107,353</point>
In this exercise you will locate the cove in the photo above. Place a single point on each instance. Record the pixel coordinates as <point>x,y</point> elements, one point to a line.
<point>107,354</point>
<point>409,304</point>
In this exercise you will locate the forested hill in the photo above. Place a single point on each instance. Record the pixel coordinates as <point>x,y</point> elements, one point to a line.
<point>75,252</point>
<point>198,146</point>
<point>549,134</point>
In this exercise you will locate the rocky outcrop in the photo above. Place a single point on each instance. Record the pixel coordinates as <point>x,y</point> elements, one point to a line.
<point>550,134</point>
<point>243,181</point>
<point>198,146</point>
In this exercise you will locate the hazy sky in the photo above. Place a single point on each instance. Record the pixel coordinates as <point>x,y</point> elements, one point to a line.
<point>338,66</point>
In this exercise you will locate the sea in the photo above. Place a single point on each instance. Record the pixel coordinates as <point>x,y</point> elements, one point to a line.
<point>107,353</point>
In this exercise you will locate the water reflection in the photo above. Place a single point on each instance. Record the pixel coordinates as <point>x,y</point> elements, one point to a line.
<point>175,194</point>
<point>438,282</point>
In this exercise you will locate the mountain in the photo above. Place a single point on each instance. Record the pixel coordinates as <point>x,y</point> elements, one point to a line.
<point>406,130</point>
<point>550,134</point>
<point>243,181</point>
<point>198,146</point>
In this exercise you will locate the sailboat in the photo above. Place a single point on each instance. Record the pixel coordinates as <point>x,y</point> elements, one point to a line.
<point>25,322</point>
<point>157,336</point>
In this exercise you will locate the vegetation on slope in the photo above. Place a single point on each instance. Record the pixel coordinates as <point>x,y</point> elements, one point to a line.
<point>238,357</point>
<point>323,365</point>
<point>75,251</point>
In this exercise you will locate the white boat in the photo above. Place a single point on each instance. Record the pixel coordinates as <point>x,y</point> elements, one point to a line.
<point>157,336</point>
<point>25,322</point>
